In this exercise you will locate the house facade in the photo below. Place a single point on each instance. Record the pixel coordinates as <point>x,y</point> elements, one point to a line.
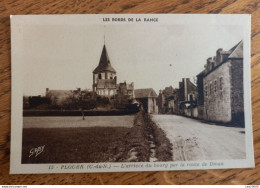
<point>187,90</point>
<point>104,76</point>
<point>220,87</point>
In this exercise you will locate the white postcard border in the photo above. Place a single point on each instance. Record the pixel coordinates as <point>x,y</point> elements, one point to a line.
<point>17,93</point>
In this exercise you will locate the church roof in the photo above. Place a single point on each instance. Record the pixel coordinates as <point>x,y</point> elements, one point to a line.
<point>237,51</point>
<point>144,93</point>
<point>104,63</point>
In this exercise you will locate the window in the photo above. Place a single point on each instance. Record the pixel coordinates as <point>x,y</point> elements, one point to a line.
<point>210,88</point>
<point>111,76</point>
<point>215,86</point>
<point>190,97</point>
<point>206,90</point>
<point>220,83</point>
<point>99,76</point>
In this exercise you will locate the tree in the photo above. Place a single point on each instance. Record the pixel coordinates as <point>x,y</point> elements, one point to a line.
<point>53,101</point>
<point>80,100</point>
<point>26,104</point>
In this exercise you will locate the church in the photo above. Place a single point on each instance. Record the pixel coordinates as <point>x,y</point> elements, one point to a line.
<point>105,84</point>
<point>104,76</point>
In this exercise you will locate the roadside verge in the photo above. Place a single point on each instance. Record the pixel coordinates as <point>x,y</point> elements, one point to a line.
<point>147,142</point>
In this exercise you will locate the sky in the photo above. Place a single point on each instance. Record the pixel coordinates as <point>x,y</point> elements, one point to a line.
<point>152,55</point>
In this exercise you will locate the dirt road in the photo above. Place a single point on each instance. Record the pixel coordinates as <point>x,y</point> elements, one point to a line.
<point>194,140</point>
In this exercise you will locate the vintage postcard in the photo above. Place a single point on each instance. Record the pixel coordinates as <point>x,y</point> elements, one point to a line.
<point>130,92</point>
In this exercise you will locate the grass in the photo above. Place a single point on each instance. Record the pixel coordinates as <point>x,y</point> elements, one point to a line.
<point>74,145</point>
<point>163,150</point>
<point>96,144</point>
<point>85,145</point>
<point>76,121</point>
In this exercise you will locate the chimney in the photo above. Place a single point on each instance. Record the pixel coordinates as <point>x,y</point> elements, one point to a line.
<point>208,64</point>
<point>219,56</point>
<point>209,60</point>
<point>47,89</point>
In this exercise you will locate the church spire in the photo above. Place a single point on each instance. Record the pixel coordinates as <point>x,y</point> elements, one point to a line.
<point>104,62</point>
<point>104,59</point>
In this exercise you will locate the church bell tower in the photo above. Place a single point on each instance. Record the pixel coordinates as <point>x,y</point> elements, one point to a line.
<point>104,76</point>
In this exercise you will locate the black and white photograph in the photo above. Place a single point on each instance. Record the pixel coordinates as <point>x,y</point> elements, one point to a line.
<point>103,93</point>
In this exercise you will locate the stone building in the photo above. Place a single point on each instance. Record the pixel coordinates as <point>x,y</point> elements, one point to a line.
<point>168,100</point>
<point>174,105</point>
<point>147,98</point>
<point>126,90</point>
<point>220,87</point>
<point>187,90</point>
<point>161,102</point>
<point>176,100</point>
<point>200,89</point>
<point>187,98</point>
<point>124,95</point>
<point>104,76</point>
<point>163,98</point>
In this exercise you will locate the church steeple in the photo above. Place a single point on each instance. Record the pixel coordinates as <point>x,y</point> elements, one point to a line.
<point>104,59</point>
<point>104,62</point>
<point>104,76</point>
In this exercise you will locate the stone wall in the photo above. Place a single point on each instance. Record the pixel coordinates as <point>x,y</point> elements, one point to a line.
<point>152,105</point>
<point>200,90</point>
<point>217,102</point>
<point>201,114</point>
<point>237,93</point>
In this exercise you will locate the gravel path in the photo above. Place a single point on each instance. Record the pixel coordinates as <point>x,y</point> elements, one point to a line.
<point>194,140</point>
